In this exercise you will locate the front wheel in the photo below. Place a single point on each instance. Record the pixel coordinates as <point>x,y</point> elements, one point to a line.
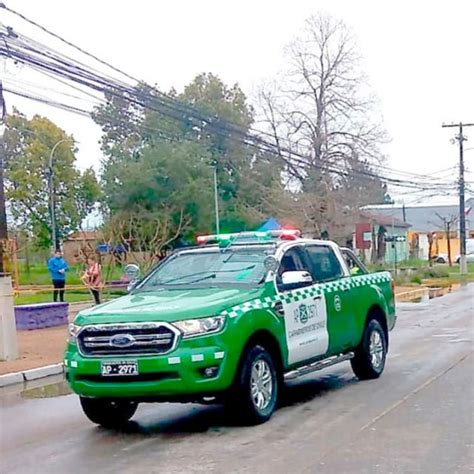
<point>108,413</point>
<point>369,360</point>
<point>255,393</point>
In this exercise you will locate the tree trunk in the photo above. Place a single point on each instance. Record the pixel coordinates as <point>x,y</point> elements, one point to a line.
<point>448,238</point>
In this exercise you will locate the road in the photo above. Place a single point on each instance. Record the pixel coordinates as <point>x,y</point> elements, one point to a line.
<point>417,418</point>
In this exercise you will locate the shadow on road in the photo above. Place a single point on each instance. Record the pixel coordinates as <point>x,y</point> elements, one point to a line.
<point>188,419</point>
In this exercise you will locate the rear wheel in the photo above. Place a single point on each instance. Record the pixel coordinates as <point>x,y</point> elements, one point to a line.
<point>369,360</point>
<point>255,394</point>
<point>108,413</point>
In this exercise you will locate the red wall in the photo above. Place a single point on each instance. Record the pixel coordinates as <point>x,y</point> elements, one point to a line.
<point>360,230</point>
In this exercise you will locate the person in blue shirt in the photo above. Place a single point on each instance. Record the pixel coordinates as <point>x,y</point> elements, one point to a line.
<point>58,267</point>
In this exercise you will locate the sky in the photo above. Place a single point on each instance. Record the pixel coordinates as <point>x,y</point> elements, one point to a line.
<point>417,55</point>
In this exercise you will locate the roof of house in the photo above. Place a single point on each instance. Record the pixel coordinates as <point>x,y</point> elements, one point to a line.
<point>425,218</point>
<point>382,219</point>
<point>82,235</point>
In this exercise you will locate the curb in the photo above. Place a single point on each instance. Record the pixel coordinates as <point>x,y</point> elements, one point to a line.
<point>31,374</point>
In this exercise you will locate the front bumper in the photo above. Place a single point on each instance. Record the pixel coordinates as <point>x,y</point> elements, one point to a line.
<point>179,374</point>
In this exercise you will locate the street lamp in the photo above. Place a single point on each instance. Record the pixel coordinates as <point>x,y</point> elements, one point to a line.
<point>216,198</point>
<point>54,237</point>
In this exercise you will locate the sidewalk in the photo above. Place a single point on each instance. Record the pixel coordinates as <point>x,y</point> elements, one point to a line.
<point>42,346</point>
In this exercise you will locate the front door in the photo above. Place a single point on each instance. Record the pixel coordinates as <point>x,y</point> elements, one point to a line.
<point>304,311</point>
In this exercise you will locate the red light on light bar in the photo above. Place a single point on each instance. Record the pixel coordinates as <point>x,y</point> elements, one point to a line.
<point>201,239</point>
<point>288,236</point>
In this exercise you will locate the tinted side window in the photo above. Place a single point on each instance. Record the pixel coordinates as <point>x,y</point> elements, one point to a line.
<point>324,264</point>
<point>292,260</point>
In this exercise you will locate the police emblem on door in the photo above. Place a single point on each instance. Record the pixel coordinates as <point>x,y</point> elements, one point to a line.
<point>306,327</point>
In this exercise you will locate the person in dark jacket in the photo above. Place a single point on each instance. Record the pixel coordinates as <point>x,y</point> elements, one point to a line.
<point>58,267</point>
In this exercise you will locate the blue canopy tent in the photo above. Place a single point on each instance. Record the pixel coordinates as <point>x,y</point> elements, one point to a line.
<point>271,224</point>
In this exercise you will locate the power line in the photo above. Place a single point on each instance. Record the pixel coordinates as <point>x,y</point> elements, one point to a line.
<point>63,40</point>
<point>174,109</point>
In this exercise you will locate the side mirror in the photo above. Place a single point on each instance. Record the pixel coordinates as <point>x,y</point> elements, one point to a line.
<point>295,279</point>
<point>132,272</point>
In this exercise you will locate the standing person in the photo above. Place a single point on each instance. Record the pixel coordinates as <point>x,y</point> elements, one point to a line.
<point>92,278</point>
<point>57,268</point>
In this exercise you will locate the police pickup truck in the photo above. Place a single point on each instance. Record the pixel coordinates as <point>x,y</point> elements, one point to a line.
<point>229,321</point>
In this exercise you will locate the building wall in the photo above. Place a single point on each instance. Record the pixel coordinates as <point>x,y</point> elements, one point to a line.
<point>72,249</point>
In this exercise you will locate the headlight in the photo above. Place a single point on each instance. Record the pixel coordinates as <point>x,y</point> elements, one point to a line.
<point>199,327</point>
<point>73,332</point>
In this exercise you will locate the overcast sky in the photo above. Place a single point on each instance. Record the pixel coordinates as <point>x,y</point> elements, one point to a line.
<point>418,56</point>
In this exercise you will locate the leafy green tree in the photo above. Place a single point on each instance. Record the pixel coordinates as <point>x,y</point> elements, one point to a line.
<point>161,157</point>
<point>27,146</point>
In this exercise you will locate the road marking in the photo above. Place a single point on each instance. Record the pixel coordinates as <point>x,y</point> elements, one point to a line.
<point>414,392</point>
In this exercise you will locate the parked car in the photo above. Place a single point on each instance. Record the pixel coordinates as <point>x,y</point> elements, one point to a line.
<point>469,258</point>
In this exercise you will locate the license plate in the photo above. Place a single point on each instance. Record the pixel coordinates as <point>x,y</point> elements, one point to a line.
<point>119,368</point>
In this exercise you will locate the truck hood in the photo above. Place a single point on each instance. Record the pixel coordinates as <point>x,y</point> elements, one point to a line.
<point>167,305</point>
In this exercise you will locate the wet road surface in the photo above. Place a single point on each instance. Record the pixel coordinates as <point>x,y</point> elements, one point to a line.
<point>417,418</point>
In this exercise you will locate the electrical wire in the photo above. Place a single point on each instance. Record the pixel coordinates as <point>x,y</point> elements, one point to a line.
<point>57,65</point>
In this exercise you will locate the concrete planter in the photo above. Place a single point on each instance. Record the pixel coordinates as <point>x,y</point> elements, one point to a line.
<point>41,315</point>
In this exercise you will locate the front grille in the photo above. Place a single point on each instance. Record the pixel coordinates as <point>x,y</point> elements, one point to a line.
<point>127,339</point>
<point>149,377</point>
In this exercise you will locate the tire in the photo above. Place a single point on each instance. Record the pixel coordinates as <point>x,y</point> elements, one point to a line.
<point>255,393</point>
<point>108,413</point>
<point>369,360</point>
<point>440,260</point>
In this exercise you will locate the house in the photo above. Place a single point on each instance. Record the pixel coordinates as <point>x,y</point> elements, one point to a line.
<point>430,220</point>
<point>379,238</point>
<point>78,243</point>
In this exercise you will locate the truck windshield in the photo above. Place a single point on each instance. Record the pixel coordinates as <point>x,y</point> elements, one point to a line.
<point>240,266</point>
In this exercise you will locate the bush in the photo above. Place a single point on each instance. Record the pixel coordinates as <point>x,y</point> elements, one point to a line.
<point>436,272</point>
<point>416,279</point>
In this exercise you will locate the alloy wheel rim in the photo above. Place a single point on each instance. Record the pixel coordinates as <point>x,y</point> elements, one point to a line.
<point>261,384</point>
<point>376,349</point>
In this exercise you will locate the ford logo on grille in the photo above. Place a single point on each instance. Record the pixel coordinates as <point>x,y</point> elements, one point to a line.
<point>122,340</point>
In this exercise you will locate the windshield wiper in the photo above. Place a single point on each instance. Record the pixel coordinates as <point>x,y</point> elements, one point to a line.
<point>213,275</point>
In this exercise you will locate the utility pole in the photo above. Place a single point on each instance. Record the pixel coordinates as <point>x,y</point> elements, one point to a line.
<point>8,342</point>
<point>3,212</point>
<point>462,211</point>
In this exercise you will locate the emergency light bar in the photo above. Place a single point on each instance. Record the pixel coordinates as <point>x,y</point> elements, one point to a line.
<point>283,234</point>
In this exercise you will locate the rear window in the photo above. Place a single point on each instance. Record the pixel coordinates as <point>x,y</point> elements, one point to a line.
<point>324,263</point>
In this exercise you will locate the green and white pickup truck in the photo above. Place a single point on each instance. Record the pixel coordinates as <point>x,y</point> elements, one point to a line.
<point>229,322</point>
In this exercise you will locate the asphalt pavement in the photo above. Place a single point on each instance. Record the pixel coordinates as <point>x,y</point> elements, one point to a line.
<point>417,418</point>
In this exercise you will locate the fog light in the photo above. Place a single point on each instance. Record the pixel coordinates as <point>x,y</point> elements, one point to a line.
<point>210,372</point>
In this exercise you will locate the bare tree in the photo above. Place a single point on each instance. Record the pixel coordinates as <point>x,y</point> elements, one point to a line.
<point>431,240</point>
<point>147,236</point>
<point>447,223</point>
<point>322,116</point>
